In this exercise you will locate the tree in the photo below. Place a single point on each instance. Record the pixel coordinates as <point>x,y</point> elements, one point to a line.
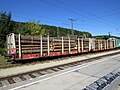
<point>35,28</point>
<point>5,27</point>
<point>22,28</point>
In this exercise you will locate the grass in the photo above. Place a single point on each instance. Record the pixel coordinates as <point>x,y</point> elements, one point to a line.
<point>2,59</point>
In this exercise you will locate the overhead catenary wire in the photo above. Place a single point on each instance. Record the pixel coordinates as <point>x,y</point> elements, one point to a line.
<point>100,20</point>
<point>89,16</point>
<point>98,14</point>
<point>55,21</point>
<point>71,11</point>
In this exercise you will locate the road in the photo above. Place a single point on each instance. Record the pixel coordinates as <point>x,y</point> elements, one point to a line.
<point>74,78</point>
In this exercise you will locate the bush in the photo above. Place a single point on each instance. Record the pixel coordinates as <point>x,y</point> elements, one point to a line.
<point>1,50</point>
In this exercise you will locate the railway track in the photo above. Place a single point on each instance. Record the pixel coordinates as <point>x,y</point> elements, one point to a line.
<point>6,81</point>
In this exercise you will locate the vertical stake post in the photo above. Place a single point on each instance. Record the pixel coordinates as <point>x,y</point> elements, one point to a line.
<point>101,44</point>
<point>69,44</point>
<point>41,45</point>
<point>107,44</point>
<point>19,46</point>
<point>79,45</point>
<point>48,45</point>
<point>62,45</point>
<point>114,43</point>
<point>82,44</point>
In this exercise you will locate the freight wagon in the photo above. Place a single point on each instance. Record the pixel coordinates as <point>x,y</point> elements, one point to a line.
<point>21,47</point>
<point>117,43</point>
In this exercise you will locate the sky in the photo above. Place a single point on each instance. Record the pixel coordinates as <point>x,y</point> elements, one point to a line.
<point>95,16</point>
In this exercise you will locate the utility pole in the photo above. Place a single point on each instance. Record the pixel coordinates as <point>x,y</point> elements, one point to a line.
<point>109,33</point>
<point>71,19</point>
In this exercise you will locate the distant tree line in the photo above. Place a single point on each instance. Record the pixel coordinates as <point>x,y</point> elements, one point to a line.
<point>35,28</point>
<point>105,37</point>
<point>31,28</point>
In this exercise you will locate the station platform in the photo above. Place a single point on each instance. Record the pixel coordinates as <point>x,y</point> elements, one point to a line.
<point>74,78</point>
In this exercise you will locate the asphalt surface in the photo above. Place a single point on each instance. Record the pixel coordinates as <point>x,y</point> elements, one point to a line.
<point>74,78</point>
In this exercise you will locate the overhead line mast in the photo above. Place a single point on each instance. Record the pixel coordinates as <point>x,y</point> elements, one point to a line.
<point>71,19</point>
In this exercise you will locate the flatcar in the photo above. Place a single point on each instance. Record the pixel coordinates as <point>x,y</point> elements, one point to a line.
<point>21,47</point>
<point>117,43</point>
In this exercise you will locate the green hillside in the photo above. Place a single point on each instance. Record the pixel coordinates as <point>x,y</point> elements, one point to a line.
<point>31,28</point>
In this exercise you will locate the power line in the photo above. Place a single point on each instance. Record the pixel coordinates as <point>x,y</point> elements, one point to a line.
<point>48,18</point>
<point>97,19</point>
<point>34,19</point>
<point>105,12</point>
<point>37,19</point>
<point>108,12</point>
<point>36,15</point>
<point>68,11</point>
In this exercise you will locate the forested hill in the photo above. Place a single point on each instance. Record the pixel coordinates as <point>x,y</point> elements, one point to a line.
<point>54,31</point>
<point>33,28</point>
<point>60,31</point>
